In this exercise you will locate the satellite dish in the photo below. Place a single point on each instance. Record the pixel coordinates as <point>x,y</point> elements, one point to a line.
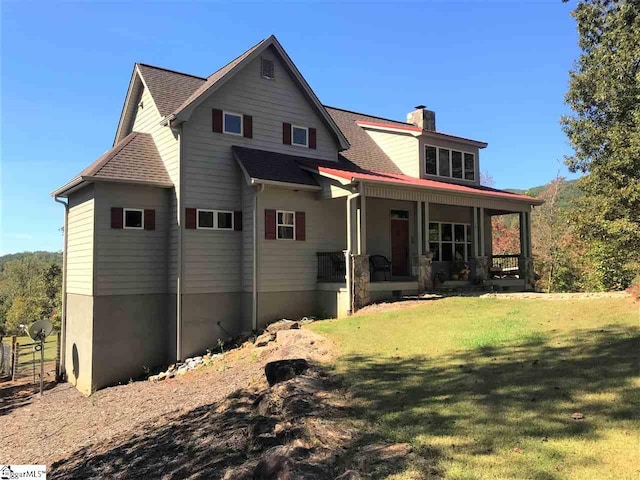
<point>40,329</point>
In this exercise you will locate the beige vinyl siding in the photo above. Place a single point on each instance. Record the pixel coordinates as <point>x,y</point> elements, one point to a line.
<point>248,194</point>
<point>212,260</point>
<point>401,148</point>
<point>129,262</point>
<point>291,265</point>
<point>80,242</point>
<point>451,145</point>
<point>147,120</point>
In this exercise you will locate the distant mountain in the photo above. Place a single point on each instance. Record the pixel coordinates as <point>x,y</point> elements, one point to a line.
<point>566,199</point>
<point>55,257</point>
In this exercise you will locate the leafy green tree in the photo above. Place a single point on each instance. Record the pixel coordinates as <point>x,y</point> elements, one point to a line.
<point>604,130</point>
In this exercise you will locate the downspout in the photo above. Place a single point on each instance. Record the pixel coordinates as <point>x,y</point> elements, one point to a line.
<point>63,321</point>
<point>179,280</point>
<point>254,303</point>
<point>347,253</point>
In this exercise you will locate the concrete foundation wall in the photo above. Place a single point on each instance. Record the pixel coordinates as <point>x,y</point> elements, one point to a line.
<point>274,306</point>
<point>129,334</point>
<point>200,316</point>
<point>79,341</point>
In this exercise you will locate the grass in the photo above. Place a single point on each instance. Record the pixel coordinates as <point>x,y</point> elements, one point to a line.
<point>50,347</point>
<point>485,388</point>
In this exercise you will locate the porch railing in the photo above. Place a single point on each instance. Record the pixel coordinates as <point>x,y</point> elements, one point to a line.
<point>331,267</point>
<point>505,265</point>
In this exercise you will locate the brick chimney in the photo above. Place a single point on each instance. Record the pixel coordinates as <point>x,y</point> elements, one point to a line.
<point>422,118</point>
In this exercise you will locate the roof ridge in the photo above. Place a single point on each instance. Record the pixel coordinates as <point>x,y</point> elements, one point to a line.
<point>171,71</point>
<point>367,114</point>
<point>236,58</point>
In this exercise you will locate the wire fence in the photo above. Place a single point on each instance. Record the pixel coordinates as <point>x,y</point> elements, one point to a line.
<point>21,357</point>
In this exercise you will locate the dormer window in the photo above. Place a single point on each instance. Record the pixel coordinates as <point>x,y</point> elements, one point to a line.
<point>300,136</point>
<point>232,123</point>
<point>446,162</point>
<point>267,68</point>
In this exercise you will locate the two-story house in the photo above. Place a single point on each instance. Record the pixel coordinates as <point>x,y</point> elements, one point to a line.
<point>230,201</point>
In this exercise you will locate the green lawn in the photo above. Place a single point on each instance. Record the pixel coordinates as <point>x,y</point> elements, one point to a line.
<point>50,347</point>
<point>485,388</point>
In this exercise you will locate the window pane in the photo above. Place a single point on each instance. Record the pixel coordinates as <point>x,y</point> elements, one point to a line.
<point>232,123</point>
<point>285,232</point>
<point>434,233</point>
<point>299,136</point>
<point>285,218</point>
<point>205,219</point>
<point>446,232</point>
<point>225,220</point>
<point>447,252</point>
<point>444,163</point>
<point>459,252</point>
<point>469,167</point>
<point>456,164</point>
<point>458,233</point>
<point>133,219</point>
<point>400,214</point>
<point>435,248</point>
<point>430,158</point>
<point>469,237</point>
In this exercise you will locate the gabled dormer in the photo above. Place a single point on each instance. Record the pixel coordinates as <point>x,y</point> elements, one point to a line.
<point>420,151</point>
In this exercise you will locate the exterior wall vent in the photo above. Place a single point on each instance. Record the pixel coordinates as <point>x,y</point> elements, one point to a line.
<point>268,68</point>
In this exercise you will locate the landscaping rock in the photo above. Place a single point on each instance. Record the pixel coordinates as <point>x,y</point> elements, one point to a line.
<point>282,370</point>
<point>275,465</point>
<point>383,452</point>
<point>264,339</point>
<point>283,324</point>
<point>577,416</point>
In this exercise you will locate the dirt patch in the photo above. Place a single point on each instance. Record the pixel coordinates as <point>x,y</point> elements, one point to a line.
<point>43,430</point>
<point>410,302</point>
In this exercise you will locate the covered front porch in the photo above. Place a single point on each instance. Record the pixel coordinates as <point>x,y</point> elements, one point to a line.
<point>403,241</point>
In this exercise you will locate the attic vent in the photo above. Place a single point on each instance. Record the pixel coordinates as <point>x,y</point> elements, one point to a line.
<point>268,69</point>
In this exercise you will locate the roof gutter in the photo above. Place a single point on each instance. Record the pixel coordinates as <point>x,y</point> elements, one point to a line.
<point>294,186</point>
<point>63,329</point>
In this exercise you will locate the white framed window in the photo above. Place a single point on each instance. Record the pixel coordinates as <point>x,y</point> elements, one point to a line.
<point>232,123</point>
<point>450,242</point>
<point>446,162</point>
<point>214,219</point>
<point>285,225</point>
<point>133,218</point>
<point>299,136</point>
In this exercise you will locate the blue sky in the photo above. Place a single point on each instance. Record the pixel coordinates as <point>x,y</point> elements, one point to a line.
<point>492,71</point>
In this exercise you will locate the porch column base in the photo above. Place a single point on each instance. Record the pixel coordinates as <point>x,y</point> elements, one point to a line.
<point>425,267</point>
<point>361,295</point>
<point>481,269</point>
<point>525,265</point>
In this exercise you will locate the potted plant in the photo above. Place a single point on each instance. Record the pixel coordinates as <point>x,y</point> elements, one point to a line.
<point>464,273</point>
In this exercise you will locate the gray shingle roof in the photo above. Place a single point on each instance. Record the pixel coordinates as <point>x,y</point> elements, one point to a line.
<point>364,152</point>
<point>272,166</point>
<point>169,89</point>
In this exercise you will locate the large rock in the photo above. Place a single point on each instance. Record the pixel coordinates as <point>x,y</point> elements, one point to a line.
<point>283,324</point>
<point>264,339</point>
<point>282,370</point>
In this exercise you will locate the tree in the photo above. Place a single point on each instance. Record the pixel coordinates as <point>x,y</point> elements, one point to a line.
<point>604,130</point>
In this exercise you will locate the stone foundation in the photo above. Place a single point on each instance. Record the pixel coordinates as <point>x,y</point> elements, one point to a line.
<point>425,278</point>
<point>481,272</point>
<point>360,272</point>
<point>525,264</point>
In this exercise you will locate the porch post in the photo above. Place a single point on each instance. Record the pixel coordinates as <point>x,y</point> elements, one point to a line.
<point>427,247</point>
<point>525,263</point>
<point>420,227</point>
<point>362,225</point>
<point>481,259</point>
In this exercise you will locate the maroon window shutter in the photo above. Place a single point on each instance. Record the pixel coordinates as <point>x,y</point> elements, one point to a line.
<point>247,126</point>
<point>237,220</point>
<point>312,138</point>
<point>149,219</point>
<point>286,133</point>
<point>116,217</point>
<point>190,218</point>
<point>270,224</point>
<point>217,120</point>
<point>301,233</point>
